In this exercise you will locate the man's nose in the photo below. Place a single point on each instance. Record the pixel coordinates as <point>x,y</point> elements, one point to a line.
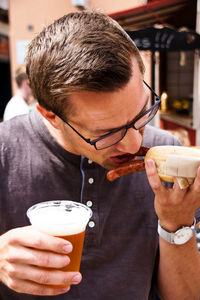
<point>132,141</point>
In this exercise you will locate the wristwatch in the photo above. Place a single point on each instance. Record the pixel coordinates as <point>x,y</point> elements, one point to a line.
<point>180,237</point>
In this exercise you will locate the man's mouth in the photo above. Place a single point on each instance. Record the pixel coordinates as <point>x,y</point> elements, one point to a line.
<point>124,158</point>
<point>120,159</point>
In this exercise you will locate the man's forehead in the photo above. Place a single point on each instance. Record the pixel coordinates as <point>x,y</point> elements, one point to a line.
<point>100,119</point>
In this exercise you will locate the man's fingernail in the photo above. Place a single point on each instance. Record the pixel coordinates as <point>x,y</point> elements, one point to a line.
<point>67,248</point>
<point>76,278</point>
<point>66,289</point>
<point>149,163</point>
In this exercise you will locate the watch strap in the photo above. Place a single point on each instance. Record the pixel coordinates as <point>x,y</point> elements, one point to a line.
<point>169,236</point>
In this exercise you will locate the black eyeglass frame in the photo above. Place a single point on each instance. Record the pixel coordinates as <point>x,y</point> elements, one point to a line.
<point>131,125</point>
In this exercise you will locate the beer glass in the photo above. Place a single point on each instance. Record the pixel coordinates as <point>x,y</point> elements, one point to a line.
<point>64,219</point>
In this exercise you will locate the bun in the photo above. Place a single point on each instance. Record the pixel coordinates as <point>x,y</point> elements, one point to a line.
<point>187,157</point>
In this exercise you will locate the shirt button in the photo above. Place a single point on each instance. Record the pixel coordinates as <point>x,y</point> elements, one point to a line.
<point>89,161</point>
<point>89,203</point>
<point>91,224</point>
<point>91,180</point>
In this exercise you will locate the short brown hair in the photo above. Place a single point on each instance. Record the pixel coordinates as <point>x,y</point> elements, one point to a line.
<point>20,75</point>
<point>81,51</point>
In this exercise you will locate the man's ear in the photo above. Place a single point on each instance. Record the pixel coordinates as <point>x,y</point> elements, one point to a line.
<point>53,119</point>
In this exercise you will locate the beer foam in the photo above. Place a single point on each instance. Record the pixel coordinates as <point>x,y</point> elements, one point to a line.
<point>59,220</point>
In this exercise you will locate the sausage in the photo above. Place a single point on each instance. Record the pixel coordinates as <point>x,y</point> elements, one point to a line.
<point>142,151</point>
<point>129,167</point>
<point>126,168</point>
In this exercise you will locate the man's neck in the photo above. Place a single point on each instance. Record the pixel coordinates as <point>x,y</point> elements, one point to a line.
<point>21,93</point>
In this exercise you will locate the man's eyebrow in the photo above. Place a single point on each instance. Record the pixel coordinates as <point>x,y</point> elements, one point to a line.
<point>108,130</point>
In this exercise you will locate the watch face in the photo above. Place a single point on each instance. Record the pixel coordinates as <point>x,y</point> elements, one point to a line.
<point>183,235</point>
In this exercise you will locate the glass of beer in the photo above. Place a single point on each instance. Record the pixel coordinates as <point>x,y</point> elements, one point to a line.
<point>64,219</point>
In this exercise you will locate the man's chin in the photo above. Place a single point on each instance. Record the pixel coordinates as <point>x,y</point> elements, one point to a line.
<point>108,165</point>
<point>113,163</point>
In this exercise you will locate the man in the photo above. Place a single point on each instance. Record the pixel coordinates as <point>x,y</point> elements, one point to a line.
<point>88,78</point>
<point>19,103</point>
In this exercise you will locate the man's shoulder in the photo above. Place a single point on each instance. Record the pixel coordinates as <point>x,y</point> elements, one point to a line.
<point>13,127</point>
<point>155,137</point>
<point>16,100</point>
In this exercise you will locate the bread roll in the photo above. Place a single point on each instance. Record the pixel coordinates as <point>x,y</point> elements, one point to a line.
<point>175,161</point>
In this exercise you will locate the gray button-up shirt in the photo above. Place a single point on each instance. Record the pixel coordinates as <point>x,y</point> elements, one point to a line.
<point>121,244</point>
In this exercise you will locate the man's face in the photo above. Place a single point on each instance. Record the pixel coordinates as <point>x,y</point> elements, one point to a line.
<point>95,114</point>
<point>25,87</point>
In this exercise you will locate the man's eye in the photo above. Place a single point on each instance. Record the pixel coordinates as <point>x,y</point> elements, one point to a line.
<point>95,136</point>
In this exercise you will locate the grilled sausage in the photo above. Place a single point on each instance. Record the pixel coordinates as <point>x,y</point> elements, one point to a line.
<point>129,167</point>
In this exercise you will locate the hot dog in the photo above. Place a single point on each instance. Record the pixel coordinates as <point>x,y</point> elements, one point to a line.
<point>171,161</point>
<point>124,169</point>
<point>175,161</point>
<point>129,167</point>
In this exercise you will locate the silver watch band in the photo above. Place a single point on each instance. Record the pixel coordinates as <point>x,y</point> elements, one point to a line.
<point>181,236</point>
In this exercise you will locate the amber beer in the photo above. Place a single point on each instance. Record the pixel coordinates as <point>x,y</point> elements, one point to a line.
<point>64,219</point>
<point>77,241</point>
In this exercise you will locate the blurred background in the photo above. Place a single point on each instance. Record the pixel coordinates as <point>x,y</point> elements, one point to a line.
<point>166,32</point>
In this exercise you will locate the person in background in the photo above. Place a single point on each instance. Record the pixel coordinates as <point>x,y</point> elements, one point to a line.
<point>22,102</point>
<point>92,115</point>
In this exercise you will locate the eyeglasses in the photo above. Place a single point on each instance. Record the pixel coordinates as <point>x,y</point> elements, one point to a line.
<point>117,135</point>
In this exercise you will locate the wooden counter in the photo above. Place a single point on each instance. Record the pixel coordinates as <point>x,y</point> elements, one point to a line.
<point>174,121</point>
<point>179,119</point>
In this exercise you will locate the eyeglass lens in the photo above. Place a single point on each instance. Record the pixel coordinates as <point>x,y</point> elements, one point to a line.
<point>146,118</point>
<point>118,136</point>
<point>111,139</point>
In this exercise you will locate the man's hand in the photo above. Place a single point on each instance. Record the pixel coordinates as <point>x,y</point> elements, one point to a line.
<point>175,207</point>
<point>29,262</point>
<point>179,265</point>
